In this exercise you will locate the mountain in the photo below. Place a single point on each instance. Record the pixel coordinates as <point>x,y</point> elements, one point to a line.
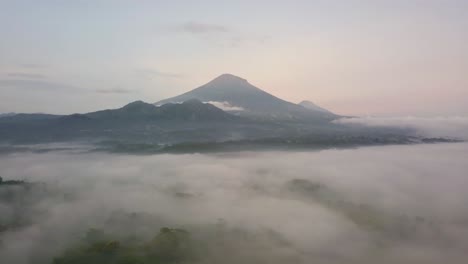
<point>190,110</point>
<point>311,106</point>
<point>18,118</point>
<point>238,96</point>
<point>194,121</point>
<point>7,114</point>
<point>137,121</point>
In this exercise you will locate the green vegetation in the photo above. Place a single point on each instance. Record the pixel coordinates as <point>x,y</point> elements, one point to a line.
<point>365,216</point>
<point>168,246</point>
<point>10,182</point>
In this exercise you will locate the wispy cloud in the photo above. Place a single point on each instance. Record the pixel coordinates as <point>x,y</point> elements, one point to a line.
<point>226,106</point>
<point>34,85</point>
<point>219,34</point>
<point>203,28</point>
<point>152,73</point>
<point>26,75</point>
<point>32,65</point>
<point>115,90</point>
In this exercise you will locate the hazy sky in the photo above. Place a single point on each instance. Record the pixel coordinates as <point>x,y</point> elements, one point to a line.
<point>394,57</point>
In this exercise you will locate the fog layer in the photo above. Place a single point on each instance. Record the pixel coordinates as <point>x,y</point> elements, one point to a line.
<point>452,126</point>
<point>393,204</point>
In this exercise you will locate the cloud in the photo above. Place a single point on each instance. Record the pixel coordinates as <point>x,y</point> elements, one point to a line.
<point>225,106</point>
<point>115,90</point>
<point>152,73</point>
<point>367,205</point>
<point>452,126</point>
<point>34,85</point>
<point>33,65</point>
<point>26,75</point>
<point>220,35</point>
<point>202,28</point>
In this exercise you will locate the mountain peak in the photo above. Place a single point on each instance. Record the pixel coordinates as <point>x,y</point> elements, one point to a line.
<point>138,106</point>
<point>248,100</point>
<point>228,78</point>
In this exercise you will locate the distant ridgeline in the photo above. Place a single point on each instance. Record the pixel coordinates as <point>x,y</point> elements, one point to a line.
<point>10,182</point>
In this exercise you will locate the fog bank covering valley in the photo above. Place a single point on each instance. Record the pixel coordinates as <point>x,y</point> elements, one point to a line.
<point>392,204</point>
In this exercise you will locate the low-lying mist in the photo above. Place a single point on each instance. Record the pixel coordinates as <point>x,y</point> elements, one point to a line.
<point>443,126</point>
<point>392,204</point>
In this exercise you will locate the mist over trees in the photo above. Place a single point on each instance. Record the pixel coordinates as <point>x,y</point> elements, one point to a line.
<point>377,204</point>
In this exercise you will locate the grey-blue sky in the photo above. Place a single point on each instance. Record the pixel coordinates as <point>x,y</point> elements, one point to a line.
<point>354,57</point>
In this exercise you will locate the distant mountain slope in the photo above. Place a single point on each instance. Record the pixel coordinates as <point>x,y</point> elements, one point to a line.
<point>137,121</point>
<point>248,100</point>
<point>253,118</point>
<point>194,126</point>
<point>311,106</point>
<point>17,118</point>
<point>191,110</point>
<point>7,114</point>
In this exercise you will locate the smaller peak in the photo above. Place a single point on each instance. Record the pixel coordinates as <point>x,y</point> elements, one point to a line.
<point>192,102</point>
<point>137,104</point>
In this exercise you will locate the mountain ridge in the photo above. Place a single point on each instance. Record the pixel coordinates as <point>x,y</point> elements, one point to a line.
<point>193,110</point>
<point>312,106</point>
